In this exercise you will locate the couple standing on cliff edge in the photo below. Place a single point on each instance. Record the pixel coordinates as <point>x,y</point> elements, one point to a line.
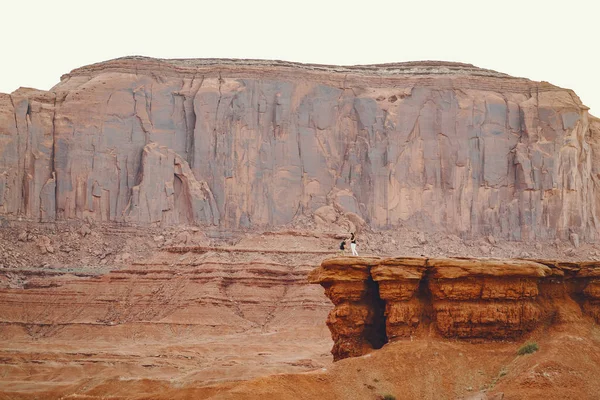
<point>352,244</point>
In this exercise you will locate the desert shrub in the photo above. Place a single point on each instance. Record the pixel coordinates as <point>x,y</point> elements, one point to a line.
<point>528,348</point>
<point>389,397</point>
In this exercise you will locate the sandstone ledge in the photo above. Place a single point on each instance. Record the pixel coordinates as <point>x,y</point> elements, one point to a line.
<point>427,73</point>
<point>387,69</point>
<point>382,299</point>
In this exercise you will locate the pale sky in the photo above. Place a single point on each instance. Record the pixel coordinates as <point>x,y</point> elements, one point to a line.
<point>554,41</point>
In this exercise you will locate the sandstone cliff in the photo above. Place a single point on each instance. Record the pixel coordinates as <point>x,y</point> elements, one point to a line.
<point>377,299</point>
<point>247,143</point>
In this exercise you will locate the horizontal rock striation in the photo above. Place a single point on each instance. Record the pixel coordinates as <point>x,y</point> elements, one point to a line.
<point>461,297</point>
<point>247,143</point>
<point>207,291</point>
<point>190,317</point>
<point>485,298</point>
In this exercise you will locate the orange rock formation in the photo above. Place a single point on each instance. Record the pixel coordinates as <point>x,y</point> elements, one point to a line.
<point>381,299</point>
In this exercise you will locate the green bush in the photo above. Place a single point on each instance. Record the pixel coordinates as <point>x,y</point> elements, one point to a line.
<point>528,348</point>
<point>389,397</point>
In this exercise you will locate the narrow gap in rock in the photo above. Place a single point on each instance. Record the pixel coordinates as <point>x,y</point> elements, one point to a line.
<point>375,334</point>
<point>575,288</point>
<point>425,298</point>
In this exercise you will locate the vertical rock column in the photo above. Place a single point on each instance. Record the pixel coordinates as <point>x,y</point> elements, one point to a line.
<point>168,191</point>
<point>485,298</point>
<point>398,280</point>
<point>354,318</point>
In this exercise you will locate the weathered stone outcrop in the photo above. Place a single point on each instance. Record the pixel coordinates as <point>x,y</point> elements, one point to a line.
<point>463,298</point>
<point>398,280</point>
<point>168,191</point>
<point>432,144</point>
<point>485,298</point>
<point>356,320</point>
<point>27,178</point>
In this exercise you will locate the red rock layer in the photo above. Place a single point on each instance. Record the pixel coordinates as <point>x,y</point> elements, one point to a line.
<point>463,298</point>
<point>354,316</point>
<point>203,317</point>
<point>241,143</point>
<point>398,281</point>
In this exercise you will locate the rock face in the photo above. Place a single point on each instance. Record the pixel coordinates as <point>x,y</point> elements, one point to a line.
<point>377,300</point>
<point>257,143</point>
<point>168,191</point>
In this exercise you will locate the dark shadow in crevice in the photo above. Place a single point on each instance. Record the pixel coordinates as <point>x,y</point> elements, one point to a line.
<point>425,299</point>
<point>375,333</point>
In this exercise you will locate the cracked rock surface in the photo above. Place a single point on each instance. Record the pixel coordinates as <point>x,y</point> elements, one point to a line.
<point>249,143</point>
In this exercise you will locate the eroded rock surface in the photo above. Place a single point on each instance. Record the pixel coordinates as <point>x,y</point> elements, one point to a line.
<point>463,298</point>
<point>430,144</point>
<point>198,316</point>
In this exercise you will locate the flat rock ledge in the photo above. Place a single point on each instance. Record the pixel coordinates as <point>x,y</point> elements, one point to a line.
<point>377,300</point>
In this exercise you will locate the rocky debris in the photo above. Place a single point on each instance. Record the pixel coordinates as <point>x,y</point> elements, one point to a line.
<point>381,299</point>
<point>356,223</point>
<point>392,145</point>
<point>421,240</point>
<point>159,239</point>
<point>325,215</point>
<point>63,245</point>
<point>484,249</point>
<point>105,242</point>
<point>190,237</point>
<point>85,230</point>
<point>123,258</point>
<point>44,244</point>
<point>182,239</point>
<point>491,240</point>
<point>26,236</point>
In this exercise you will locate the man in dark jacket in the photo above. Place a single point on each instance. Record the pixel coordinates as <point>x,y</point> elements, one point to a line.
<point>343,247</point>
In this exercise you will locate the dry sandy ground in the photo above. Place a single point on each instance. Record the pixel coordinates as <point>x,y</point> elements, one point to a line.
<point>565,367</point>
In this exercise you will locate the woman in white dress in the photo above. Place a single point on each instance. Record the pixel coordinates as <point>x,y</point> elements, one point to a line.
<point>353,244</point>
